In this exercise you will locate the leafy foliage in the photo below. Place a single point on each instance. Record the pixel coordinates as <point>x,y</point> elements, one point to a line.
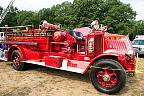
<point>119,17</point>
<point>10,19</point>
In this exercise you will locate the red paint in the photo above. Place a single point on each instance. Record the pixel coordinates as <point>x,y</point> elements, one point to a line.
<point>66,46</point>
<point>111,75</point>
<point>54,61</point>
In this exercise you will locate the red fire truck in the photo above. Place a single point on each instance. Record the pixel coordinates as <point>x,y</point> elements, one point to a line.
<point>107,57</point>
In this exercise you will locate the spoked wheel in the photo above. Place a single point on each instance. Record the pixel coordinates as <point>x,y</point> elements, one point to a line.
<point>108,76</point>
<point>16,59</point>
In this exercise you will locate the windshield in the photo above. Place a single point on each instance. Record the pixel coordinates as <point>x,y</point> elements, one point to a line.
<point>138,42</point>
<point>79,34</point>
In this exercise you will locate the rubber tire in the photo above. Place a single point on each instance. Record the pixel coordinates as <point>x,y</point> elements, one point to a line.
<point>21,66</point>
<point>121,75</point>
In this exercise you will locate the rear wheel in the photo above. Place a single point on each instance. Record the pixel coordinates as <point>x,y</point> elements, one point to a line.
<point>16,59</point>
<point>108,76</point>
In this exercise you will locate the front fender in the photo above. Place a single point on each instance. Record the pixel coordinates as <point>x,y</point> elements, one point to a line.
<point>101,56</point>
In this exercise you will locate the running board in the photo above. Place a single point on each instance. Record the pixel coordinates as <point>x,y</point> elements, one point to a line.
<point>64,66</point>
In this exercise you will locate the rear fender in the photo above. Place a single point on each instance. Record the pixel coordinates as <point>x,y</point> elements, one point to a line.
<point>21,50</point>
<point>102,56</point>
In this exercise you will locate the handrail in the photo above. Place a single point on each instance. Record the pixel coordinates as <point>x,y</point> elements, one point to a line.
<point>19,43</point>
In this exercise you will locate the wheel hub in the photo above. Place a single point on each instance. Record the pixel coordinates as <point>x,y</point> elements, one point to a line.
<point>16,61</point>
<point>106,78</point>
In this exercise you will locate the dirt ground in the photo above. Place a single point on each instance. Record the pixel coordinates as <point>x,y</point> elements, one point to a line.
<point>42,81</point>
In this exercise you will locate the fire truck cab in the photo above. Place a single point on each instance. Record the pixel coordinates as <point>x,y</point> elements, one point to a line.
<point>107,56</point>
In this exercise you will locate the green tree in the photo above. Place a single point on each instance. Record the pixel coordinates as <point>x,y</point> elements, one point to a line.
<point>115,14</point>
<point>62,13</point>
<point>119,17</point>
<point>45,14</point>
<point>24,17</point>
<point>10,18</point>
<point>1,9</point>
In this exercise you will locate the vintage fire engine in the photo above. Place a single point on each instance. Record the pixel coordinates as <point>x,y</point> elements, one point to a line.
<point>107,57</point>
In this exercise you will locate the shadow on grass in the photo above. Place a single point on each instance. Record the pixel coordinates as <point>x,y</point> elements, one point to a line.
<point>84,78</point>
<point>65,74</point>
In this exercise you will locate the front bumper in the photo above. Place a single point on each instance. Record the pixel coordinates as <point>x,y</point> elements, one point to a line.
<point>128,63</point>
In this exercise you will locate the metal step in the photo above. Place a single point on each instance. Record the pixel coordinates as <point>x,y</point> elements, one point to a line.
<point>71,69</point>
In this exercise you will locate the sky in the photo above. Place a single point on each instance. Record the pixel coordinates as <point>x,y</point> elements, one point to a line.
<point>36,5</point>
<point>137,6</point>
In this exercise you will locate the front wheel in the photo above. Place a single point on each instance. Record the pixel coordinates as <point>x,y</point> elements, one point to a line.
<point>16,59</point>
<point>108,76</point>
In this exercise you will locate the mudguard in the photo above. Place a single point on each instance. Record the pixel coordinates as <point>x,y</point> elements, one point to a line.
<point>21,50</point>
<point>101,56</point>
